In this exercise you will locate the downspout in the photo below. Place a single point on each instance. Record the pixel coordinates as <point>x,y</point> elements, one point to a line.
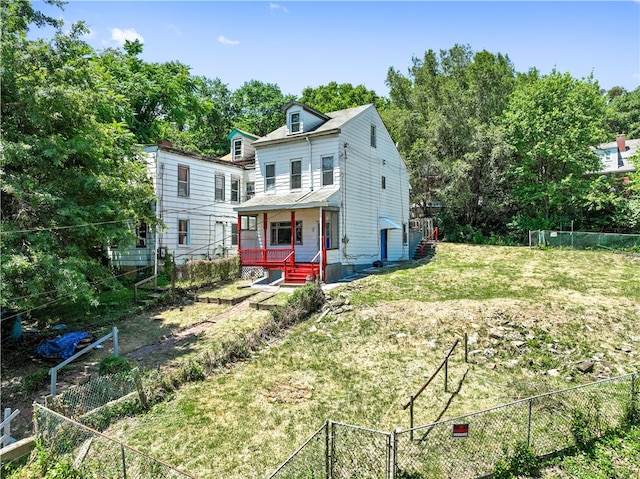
<point>310,162</point>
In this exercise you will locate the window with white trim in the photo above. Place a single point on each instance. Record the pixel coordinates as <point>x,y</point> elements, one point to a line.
<point>295,124</point>
<point>281,233</point>
<point>237,149</point>
<point>183,233</point>
<point>250,188</point>
<point>296,174</point>
<point>183,180</point>
<point>327,170</point>
<point>248,223</point>
<point>270,177</point>
<point>219,187</point>
<point>235,189</point>
<point>141,235</point>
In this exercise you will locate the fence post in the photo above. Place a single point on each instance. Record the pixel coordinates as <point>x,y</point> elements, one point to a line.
<point>116,350</point>
<point>466,348</point>
<point>446,375</point>
<point>633,391</point>
<point>332,458</point>
<point>411,419</point>
<point>394,454</point>
<point>327,451</point>
<point>54,380</point>
<point>387,473</point>
<point>124,464</point>
<point>529,423</point>
<point>6,430</point>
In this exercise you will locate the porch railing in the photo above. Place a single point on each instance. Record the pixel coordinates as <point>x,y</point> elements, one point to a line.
<point>258,256</point>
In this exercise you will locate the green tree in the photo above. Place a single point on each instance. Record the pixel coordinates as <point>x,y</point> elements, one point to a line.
<point>623,113</point>
<point>334,96</point>
<point>71,181</point>
<point>258,107</point>
<point>551,122</point>
<point>445,116</point>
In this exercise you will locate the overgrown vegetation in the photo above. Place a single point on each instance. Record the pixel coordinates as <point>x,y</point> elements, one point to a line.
<point>521,461</point>
<point>202,271</point>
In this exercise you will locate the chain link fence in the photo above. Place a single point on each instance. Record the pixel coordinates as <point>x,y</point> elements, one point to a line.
<point>583,240</point>
<point>99,391</point>
<point>95,454</point>
<point>467,446</point>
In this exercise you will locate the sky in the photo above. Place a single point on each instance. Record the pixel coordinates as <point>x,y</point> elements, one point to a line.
<point>306,43</point>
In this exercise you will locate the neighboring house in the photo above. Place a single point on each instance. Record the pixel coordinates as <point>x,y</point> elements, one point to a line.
<point>195,196</point>
<point>332,197</point>
<point>615,156</point>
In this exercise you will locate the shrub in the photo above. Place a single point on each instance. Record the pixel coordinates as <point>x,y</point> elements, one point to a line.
<point>35,380</point>
<point>521,462</point>
<point>113,364</point>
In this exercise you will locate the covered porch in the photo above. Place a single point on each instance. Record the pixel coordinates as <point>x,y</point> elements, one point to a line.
<point>293,239</point>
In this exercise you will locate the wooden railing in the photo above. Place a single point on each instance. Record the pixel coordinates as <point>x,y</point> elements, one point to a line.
<point>259,256</point>
<point>153,278</point>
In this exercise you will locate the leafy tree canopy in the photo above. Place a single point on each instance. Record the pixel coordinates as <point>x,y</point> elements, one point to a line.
<point>623,113</point>
<point>71,182</point>
<point>334,96</point>
<point>258,107</point>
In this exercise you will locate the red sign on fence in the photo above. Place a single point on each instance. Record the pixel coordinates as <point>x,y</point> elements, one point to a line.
<point>460,430</point>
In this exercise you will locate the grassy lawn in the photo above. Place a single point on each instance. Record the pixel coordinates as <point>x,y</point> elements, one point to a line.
<point>530,316</point>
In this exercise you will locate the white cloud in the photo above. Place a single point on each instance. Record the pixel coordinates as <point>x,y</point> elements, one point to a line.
<point>120,36</point>
<point>275,6</point>
<point>224,40</point>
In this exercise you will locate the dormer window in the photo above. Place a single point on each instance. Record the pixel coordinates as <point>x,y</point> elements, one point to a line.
<point>237,149</point>
<point>295,124</point>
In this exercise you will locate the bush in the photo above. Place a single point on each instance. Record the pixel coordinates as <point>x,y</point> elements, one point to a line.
<point>34,381</point>
<point>113,364</point>
<point>207,271</point>
<point>521,462</point>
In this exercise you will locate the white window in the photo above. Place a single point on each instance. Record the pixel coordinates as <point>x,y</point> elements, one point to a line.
<point>141,235</point>
<point>249,223</point>
<point>270,177</point>
<point>296,174</point>
<point>373,136</point>
<point>235,189</point>
<point>327,170</point>
<point>237,149</point>
<point>183,233</point>
<point>281,233</point>
<point>183,180</point>
<point>250,189</point>
<point>295,125</point>
<point>219,187</point>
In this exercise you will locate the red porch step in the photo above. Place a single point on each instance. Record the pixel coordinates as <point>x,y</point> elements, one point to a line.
<point>300,273</point>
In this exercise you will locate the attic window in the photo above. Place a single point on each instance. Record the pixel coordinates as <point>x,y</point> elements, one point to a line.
<point>237,149</point>
<point>295,125</point>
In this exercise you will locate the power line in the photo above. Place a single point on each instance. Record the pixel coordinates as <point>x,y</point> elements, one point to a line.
<point>54,228</point>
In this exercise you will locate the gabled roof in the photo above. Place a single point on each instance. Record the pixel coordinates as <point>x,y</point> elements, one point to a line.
<point>194,156</point>
<point>335,121</point>
<point>246,134</point>
<point>323,197</point>
<point>623,163</point>
<point>305,108</point>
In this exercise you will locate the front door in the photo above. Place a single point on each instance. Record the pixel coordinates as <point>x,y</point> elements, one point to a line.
<point>383,244</point>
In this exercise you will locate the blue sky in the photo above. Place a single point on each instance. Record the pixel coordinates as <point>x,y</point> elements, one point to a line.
<point>304,43</point>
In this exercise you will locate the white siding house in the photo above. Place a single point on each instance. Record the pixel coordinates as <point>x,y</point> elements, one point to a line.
<point>195,197</point>
<point>339,180</point>
<point>615,157</point>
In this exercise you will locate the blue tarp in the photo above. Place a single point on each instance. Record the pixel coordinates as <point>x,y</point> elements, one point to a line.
<point>63,347</point>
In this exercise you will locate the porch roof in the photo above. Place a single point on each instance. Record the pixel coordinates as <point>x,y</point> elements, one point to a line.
<point>324,197</point>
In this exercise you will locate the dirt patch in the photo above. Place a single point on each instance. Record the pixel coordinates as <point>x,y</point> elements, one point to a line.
<point>289,393</point>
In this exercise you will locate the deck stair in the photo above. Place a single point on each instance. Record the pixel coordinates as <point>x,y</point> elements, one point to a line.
<point>300,272</point>
<point>425,250</point>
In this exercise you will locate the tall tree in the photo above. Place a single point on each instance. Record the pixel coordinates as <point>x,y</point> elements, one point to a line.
<point>258,107</point>
<point>71,182</point>
<point>623,112</point>
<point>445,117</point>
<point>552,121</point>
<point>334,96</point>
